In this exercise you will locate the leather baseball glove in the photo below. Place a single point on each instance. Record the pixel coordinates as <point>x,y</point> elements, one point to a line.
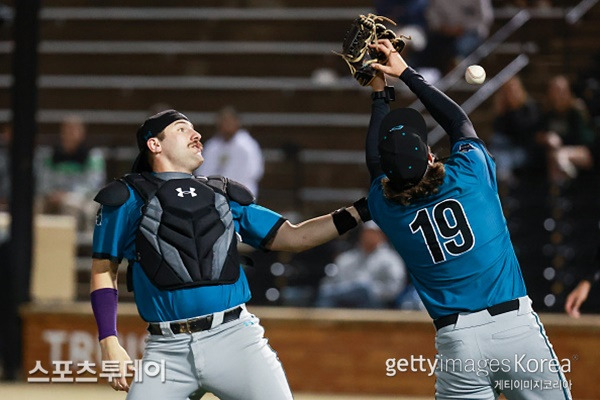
<point>366,30</point>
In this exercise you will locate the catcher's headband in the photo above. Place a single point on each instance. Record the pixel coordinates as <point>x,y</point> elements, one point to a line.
<point>403,149</point>
<point>149,129</point>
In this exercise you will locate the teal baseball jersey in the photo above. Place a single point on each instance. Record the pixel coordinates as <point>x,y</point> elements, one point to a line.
<point>114,239</point>
<point>455,243</point>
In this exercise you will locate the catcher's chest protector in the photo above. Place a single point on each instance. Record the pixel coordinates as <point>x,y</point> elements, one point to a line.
<point>186,237</point>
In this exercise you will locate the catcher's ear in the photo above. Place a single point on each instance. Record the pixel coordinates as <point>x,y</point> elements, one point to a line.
<point>154,145</point>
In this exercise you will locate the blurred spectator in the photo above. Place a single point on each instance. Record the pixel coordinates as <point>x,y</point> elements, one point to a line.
<point>565,132</point>
<point>517,119</point>
<point>403,12</point>
<point>5,140</point>
<point>369,276</point>
<point>456,28</point>
<point>580,294</point>
<point>588,89</point>
<point>409,299</point>
<point>409,15</point>
<point>70,174</point>
<point>8,358</point>
<point>6,14</point>
<point>232,152</point>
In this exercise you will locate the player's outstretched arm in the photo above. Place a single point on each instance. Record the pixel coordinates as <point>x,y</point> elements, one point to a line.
<point>379,109</point>
<point>319,230</point>
<point>442,108</point>
<point>103,294</point>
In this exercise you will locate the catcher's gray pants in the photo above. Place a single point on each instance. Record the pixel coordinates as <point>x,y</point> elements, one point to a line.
<point>482,355</point>
<point>232,360</point>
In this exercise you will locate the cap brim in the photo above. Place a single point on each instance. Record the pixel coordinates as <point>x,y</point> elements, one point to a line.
<point>407,117</point>
<point>141,163</point>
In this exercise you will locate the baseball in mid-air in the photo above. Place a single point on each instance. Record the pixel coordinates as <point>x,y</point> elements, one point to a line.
<point>475,75</point>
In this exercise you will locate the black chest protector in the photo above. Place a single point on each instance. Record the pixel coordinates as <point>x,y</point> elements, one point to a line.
<point>186,236</point>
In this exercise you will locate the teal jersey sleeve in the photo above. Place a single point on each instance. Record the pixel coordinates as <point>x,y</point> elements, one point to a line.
<point>256,225</point>
<point>114,239</point>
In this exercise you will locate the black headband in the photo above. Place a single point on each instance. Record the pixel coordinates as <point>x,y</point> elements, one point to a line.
<point>155,125</point>
<point>149,129</point>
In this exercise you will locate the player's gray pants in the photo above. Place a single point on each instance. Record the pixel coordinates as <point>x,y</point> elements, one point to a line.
<point>481,355</point>
<point>232,361</point>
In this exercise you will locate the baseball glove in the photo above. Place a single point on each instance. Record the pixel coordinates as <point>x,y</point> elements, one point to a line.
<point>366,30</point>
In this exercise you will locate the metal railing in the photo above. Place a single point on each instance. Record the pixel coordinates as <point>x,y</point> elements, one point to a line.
<point>482,51</point>
<point>575,13</point>
<point>519,19</point>
<point>571,16</point>
<point>488,89</point>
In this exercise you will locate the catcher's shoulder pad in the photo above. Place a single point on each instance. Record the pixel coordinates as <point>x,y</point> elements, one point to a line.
<point>234,190</point>
<point>239,193</point>
<point>114,194</point>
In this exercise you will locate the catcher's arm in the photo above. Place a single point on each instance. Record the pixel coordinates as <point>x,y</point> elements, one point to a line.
<point>103,285</point>
<point>442,108</point>
<point>315,231</point>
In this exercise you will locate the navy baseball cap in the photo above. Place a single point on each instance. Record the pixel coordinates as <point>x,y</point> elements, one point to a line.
<point>403,149</point>
<point>149,129</point>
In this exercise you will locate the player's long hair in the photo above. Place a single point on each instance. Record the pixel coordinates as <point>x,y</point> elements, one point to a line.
<point>433,178</point>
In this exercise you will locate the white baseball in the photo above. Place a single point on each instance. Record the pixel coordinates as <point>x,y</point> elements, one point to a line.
<point>475,75</point>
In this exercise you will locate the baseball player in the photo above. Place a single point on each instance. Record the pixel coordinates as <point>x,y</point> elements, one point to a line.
<point>580,294</point>
<point>180,235</point>
<point>445,220</point>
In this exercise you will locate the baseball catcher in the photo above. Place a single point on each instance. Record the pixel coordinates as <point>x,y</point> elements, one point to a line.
<point>356,50</point>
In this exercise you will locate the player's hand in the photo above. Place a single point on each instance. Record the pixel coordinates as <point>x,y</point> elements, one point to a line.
<point>395,64</point>
<point>113,351</point>
<point>576,298</point>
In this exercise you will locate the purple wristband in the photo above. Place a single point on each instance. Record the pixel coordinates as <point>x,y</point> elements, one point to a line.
<point>104,305</point>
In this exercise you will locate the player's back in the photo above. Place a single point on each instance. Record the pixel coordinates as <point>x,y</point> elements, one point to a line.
<point>455,243</point>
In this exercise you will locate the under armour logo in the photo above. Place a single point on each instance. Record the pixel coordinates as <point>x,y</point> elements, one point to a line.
<point>191,192</point>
